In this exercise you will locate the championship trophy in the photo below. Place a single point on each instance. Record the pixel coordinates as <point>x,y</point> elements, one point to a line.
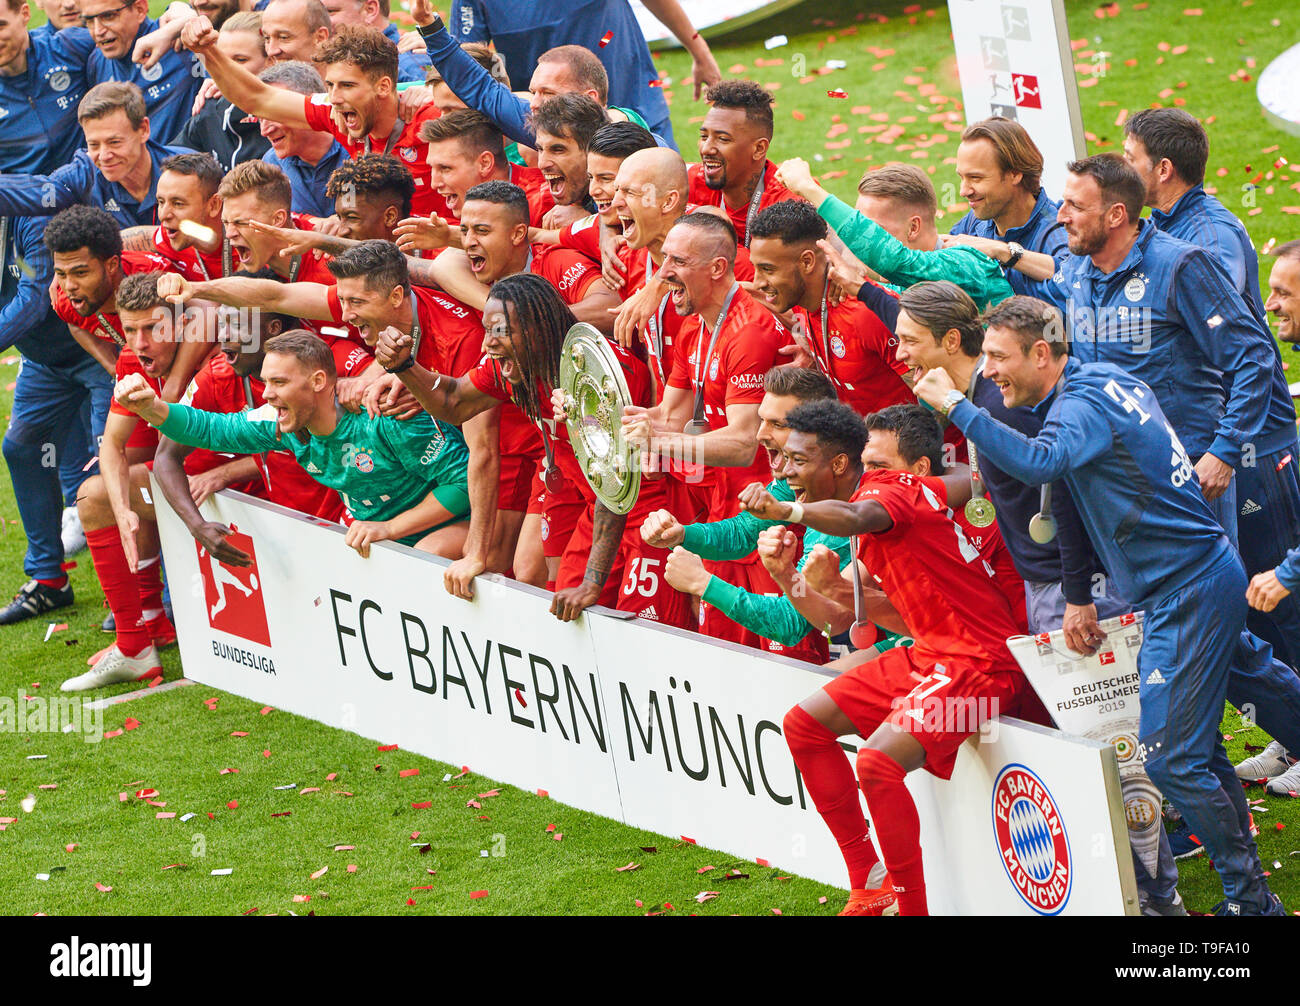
<point>595,393</point>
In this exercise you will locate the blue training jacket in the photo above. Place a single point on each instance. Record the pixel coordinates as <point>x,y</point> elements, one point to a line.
<point>1202,220</point>
<point>1169,315</point>
<point>169,86</point>
<point>1131,479</point>
<point>38,108</point>
<point>27,321</point>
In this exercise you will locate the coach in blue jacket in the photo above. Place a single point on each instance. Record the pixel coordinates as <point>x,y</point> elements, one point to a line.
<point>1169,149</point>
<point>1105,434</point>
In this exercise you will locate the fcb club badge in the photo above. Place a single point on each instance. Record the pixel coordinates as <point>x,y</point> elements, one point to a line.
<point>1031,840</point>
<point>837,346</point>
<point>364,462</point>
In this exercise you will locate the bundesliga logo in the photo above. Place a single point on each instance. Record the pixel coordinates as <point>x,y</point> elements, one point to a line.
<point>1031,840</point>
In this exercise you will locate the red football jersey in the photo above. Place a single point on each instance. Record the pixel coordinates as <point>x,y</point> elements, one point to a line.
<point>409,149</point>
<point>943,588</point>
<point>701,195</point>
<point>192,263</point>
<point>745,350</point>
<point>533,182</point>
<point>487,378</point>
<point>132,262</point>
<point>570,273</point>
<point>583,236</point>
<point>994,550</point>
<point>858,354</point>
<point>639,268</point>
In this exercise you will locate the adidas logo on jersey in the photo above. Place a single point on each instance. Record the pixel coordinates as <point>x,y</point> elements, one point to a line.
<point>112,206</point>
<point>649,613</point>
<point>1155,677</point>
<point>1250,507</point>
<point>312,469</point>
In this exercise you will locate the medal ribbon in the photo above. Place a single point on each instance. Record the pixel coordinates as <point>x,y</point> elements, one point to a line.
<point>698,414</point>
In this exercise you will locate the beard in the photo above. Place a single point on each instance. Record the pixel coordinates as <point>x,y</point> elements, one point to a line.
<point>1086,242</point>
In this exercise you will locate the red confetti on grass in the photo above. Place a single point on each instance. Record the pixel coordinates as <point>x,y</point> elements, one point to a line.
<point>425,805</point>
<point>628,869</point>
<point>131,724</point>
<point>837,93</point>
<point>145,794</point>
<point>776,911</point>
<point>331,777</point>
<point>154,684</point>
<point>688,841</point>
<point>283,813</point>
<point>550,828</point>
<point>407,772</point>
<point>352,868</point>
<point>386,747</point>
<point>474,804</point>
<point>489,793</point>
<point>478,894</point>
<point>228,771</point>
<point>1280,826</point>
<point>410,901</point>
<point>558,836</point>
<point>464,771</point>
<point>300,899</point>
<point>110,734</point>
<point>542,793</point>
<point>308,789</point>
<point>704,896</point>
<point>239,733</point>
<point>102,888</point>
<point>705,869</point>
<point>319,873</point>
<point>250,911</point>
<point>762,862</point>
<point>181,866</point>
<point>266,709</point>
<point>70,846</point>
<point>165,814</point>
<point>233,804</point>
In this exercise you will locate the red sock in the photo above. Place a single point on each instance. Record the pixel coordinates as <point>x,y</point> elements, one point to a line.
<point>830,783</point>
<point>56,584</point>
<point>897,826</point>
<point>120,589</point>
<point>148,578</point>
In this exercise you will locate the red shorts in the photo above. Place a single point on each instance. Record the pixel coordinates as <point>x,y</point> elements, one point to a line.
<point>560,514</point>
<point>636,583</point>
<point>750,574</point>
<point>940,704</point>
<point>515,483</point>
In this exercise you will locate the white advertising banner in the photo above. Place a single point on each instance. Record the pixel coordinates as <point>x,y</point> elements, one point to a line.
<point>642,723</point>
<point>1014,61</point>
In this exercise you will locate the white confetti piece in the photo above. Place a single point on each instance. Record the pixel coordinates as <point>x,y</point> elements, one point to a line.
<point>36,757</point>
<point>836,64</point>
<point>28,803</point>
<point>42,876</point>
<point>223,873</point>
<point>186,817</point>
<point>292,785</point>
<point>775,42</point>
<point>483,853</point>
<point>447,777</point>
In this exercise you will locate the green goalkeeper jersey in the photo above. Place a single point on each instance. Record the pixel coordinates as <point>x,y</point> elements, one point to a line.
<point>381,467</point>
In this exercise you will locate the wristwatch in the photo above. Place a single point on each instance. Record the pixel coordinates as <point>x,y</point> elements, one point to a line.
<point>1017,252</point>
<point>432,28</point>
<point>951,399</point>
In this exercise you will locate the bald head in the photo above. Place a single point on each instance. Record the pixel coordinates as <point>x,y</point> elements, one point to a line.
<point>650,195</point>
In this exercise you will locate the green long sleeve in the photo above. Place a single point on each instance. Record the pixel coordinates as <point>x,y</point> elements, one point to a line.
<point>232,432</point>
<point>772,617</point>
<point>735,537</point>
<point>972,270</point>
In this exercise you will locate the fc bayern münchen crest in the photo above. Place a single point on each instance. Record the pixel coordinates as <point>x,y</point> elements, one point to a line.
<point>837,346</point>
<point>364,462</point>
<point>1031,840</point>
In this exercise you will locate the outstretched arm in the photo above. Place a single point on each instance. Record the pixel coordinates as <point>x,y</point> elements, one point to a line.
<point>297,300</point>
<point>241,88</point>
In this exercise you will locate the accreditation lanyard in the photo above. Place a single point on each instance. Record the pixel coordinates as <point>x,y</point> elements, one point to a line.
<point>976,482</point>
<point>398,126</point>
<point>655,342</point>
<point>227,259</point>
<point>260,455</point>
<point>697,416</point>
<point>754,200</point>
<point>415,327</point>
<point>108,329</point>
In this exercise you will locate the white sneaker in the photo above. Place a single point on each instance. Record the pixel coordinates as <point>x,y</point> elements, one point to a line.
<point>1268,763</point>
<point>1287,782</point>
<point>74,538</point>
<point>114,667</point>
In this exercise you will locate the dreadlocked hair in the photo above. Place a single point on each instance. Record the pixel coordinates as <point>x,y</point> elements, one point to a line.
<point>544,320</point>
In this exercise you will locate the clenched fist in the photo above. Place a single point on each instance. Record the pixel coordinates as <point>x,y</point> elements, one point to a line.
<point>662,530</point>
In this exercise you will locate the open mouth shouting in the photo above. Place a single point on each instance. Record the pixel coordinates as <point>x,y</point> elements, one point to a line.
<point>557,182</point>
<point>629,227</point>
<point>509,369</point>
<point>677,291</point>
<point>477,261</point>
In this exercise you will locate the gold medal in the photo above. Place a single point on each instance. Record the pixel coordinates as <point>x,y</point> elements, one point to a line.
<point>980,512</point>
<point>1042,528</point>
